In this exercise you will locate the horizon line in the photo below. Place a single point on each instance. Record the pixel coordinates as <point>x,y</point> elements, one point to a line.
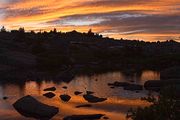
<point>90,29</point>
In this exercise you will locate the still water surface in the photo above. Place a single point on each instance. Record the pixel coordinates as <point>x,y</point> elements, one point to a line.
<point>119,100</point>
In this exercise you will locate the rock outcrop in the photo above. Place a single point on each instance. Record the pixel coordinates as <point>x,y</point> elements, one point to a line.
<point>171,73</point>
<point>157,85</point>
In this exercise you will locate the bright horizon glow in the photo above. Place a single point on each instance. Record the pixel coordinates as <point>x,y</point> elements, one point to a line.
<point>131,19</point>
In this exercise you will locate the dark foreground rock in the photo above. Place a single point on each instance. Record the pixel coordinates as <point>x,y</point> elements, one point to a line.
<point>65,97</point>
<point>85,105</point>
<point>157,85</point>
<point>77,92</point>
<point>93,99</point>
<point>50,89</point>
<point>30,107</point>
<point>84,117</point>
<point>49,95</point>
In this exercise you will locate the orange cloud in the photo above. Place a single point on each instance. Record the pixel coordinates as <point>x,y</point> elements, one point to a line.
<point>36,14</point>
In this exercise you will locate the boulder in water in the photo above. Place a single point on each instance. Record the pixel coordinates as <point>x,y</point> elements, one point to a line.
<point>65,97</point>
<point>84,117</point>
<point>118,84</point>
<point>133,87</point>
<point>64,87</point>
<point>50,89</point>
<point>89,92</point>
<point>105,118</point>
<point>93,99</point>
<point>5,98</point>
<point>30,107</point>
<point>49,95</point>
<point>77,92</point>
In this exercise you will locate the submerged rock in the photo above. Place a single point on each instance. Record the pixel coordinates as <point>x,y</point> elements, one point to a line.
<point>84,117</point>
<point>49,95</point>
<point>133,87</point>
<point>93,99</point>
<point>65,97</point>
<point>30,107</point>
<point>85,105</point>
<point>89,92</point>
<point>126,86</point>
<point>77,92</point>
<point>105,118</point>
<point>65,87</point>
<point>118,84</point>
<point>50,89</point>
<point>5,98</point>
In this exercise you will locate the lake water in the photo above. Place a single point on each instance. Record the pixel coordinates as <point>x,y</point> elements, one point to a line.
<point>116,106</point>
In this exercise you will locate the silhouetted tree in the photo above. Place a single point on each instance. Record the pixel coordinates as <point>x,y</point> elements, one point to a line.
<point>90,33</point>
<point>32,32</point>
<point>3,29</point>
<point>54,31</point>
<point>21,30</point>
<point>165,107</point>
<point>82,48</point>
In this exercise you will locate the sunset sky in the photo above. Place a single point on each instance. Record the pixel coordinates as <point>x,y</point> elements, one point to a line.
<point>131,19</point>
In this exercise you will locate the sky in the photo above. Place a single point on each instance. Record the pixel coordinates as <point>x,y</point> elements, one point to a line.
<point>129,19</point>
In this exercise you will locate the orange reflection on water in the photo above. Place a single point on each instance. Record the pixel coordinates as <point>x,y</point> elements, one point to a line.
<point>149,75</point>
<point>118,102</point>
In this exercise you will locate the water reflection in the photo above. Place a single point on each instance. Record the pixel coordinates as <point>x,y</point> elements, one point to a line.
<point>115,107</point>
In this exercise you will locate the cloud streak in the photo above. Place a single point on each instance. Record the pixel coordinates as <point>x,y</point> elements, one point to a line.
<point>131,19</point>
